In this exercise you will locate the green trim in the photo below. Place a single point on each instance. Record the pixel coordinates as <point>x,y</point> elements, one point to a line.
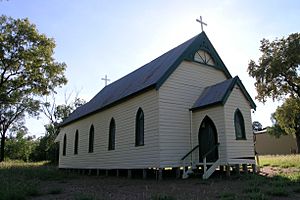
<point>247,95</point>
<point>236,81</point>
<point>238,114</point>
<point>218,103</point>
<point>140,128</point>
<point>91,139</point>
<point>243,89</point>
<point>65,145</point>
<point>111,105</point>
<point>76,142</point>
<point>112,135</point>
<point>200,42</point>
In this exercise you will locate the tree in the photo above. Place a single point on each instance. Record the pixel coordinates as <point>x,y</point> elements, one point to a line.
<point>277,73</point>
<point>287,120</point>
<point>47,149</point>
<point>27,72</point>
<point>19,147</point>
<point>277,76</point>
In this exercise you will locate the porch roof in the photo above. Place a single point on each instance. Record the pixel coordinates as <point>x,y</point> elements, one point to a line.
<point>219,93</point>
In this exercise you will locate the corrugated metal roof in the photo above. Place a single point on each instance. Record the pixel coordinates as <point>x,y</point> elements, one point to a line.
<point>213,94</point>
<point>219,93</point>
<point>151,75</point>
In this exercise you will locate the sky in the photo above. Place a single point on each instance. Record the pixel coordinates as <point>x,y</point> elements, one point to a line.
<point>108,37</point>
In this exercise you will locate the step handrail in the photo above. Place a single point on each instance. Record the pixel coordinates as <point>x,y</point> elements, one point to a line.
<point>204,159</point>
<point>191,151</point>
<point>209,151</point>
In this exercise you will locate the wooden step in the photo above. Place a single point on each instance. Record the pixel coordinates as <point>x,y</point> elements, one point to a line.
<point>208,163</point>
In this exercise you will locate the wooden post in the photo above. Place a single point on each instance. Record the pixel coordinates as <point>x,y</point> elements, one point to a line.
<point>117,173</point>
<point>160,173</point>
<point>204,165</point>
<point>245,168</point>
<point>228,170</point>
<point>98,172</point>
<point>129,174</point>
<point>144,174</point>
<point>90,172</point>
<point>254,170</point>
<point>237,169</point>
<point>178,173</point>
<point>221,168</point>
<point>106,172</point>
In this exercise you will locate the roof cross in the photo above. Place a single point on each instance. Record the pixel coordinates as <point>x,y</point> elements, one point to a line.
<point>201,22</point>
<point>105,79</point>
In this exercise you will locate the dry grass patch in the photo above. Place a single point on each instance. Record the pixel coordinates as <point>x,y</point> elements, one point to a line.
<point>282,161</point>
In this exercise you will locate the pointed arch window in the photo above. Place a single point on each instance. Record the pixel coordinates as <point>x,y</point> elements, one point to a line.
<point>139,128</point>
<point>239,125</point>
<point>76,143</point>
<point>91,139</point>
<point>112,135</point>
<point>65,145</point>
<point>204,57</point>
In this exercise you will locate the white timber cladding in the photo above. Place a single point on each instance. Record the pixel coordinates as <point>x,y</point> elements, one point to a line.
<point>216,114</point>
<point>238,148</point>
<point>126,155</point>
<point>176,96</point>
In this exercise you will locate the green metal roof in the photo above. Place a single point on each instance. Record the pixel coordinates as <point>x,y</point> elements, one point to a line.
<point>151,75</point>
<point>218,94</point>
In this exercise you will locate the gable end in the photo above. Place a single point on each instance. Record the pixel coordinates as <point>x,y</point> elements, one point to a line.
<point>200,42</point>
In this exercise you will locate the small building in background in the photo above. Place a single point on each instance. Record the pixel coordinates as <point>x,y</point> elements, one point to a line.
<point>266,144</point>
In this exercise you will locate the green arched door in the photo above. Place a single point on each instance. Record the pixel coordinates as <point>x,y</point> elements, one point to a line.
<point>208,138</point>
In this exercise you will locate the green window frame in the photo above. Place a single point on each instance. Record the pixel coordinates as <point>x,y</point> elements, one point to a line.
<point>65,145</point>
<point>112,135</point>
<point>239,125</point>
<point>76,143</point>
<point>139,128</point>
<point>91,139</point>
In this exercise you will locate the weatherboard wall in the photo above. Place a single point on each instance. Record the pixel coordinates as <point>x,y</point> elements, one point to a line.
<point>238,148</point>
<point>126,155</point>
<point>176,96</point>
<point>216,114</point>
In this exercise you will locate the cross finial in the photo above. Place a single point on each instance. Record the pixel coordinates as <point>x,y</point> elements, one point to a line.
<point>201,22</point>
<point>105,79</point>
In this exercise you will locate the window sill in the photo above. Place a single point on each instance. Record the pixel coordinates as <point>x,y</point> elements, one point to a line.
<point>240,138</point>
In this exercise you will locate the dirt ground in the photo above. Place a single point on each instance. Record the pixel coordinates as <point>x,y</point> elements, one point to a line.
<point>121,188</point>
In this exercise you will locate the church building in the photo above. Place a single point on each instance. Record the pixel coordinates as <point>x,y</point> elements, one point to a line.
<point>181,111</point>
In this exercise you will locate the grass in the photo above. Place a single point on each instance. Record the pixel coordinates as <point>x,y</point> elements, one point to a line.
<point>297,189</point>
<point>84,197</point>
<point>256,196</point>
<point>162,197</point>
<point>278,191</point>
<point>227,196</point>
<point>285,183</point>
<point>20,180</point>
<point>285,161</point>
<point>55,191</point>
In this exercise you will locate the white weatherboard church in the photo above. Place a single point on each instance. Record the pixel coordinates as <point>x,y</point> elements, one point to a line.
<point>181,110</point>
